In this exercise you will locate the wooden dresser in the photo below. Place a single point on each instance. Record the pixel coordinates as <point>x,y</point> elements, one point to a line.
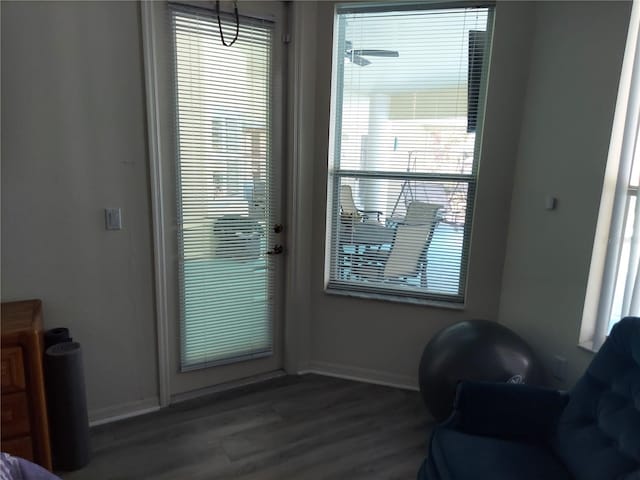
<point>25,428</point>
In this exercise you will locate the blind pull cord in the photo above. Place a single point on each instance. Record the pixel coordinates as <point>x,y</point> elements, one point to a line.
<point>235,12</point>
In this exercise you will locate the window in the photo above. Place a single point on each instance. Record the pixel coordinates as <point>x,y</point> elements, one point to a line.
<point>614,278</point>
<point>407,101</point>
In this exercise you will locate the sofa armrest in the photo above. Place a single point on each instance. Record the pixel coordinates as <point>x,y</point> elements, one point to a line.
<point>507,410</point>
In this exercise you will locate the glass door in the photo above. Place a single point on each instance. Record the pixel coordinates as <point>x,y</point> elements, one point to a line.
<point>226,212</point>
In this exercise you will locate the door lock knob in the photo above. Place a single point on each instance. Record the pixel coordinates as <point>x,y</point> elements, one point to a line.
<point>277,250</point>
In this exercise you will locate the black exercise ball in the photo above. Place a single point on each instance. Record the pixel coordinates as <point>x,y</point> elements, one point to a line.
<point>472,350</point>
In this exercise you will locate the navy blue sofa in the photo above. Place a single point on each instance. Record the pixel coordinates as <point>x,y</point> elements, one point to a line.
<point>519,432</point>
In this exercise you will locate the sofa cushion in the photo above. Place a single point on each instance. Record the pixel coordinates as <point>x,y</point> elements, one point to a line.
<point>598,434</point>
<point>456,455</point>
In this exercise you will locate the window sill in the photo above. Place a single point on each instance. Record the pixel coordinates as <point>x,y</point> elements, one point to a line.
<point>395,299</point>
<point>588,346</point>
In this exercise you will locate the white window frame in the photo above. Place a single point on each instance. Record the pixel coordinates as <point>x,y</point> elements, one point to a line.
<point>615,197</point>
<point>335,174</point>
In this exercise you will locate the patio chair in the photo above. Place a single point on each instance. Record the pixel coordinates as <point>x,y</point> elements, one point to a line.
<point>349,210</point>
<point>408,255</point>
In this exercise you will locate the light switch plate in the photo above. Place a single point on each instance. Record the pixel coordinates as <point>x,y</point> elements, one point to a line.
<point>113,219</point>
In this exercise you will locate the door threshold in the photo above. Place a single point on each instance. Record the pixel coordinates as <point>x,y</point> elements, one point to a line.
<point>223,387</point>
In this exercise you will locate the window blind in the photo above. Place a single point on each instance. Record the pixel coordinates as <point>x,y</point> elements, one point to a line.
<point>408,87</point>
<point>225,187</point>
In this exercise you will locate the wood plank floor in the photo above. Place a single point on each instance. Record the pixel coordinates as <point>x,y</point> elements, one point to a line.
<point>295,427</point>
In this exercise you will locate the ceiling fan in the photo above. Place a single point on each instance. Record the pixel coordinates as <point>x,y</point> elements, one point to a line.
<point>357,56</point>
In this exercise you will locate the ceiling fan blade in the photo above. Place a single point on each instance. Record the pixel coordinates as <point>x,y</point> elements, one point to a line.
<point>375,53</point>
<point>358,60</point>
<point>356,56</point>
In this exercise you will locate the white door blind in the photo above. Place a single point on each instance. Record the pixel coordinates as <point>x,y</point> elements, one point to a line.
<point>408,87</point>
<point>225,187</point>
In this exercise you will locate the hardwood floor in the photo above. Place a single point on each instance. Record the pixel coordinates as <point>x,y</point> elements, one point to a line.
<point>296,427</point>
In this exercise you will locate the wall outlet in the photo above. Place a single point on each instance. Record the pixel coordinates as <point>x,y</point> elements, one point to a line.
<point>559,368</point>
<point>550,203</point>
<point>112,219</point>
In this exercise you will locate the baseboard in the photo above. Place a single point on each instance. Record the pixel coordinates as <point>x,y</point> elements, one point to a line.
<point>361,375</point>
<point>202,392</point>
<point>101,416</point>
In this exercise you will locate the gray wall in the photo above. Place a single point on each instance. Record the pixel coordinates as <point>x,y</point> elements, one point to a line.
<point>74,142</point>
<point>576,60</point>
<point>382,340</point>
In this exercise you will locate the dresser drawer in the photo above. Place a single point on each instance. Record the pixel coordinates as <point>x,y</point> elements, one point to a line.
<point>19,447</point>
<point>15,415</point>
<point>12,370</point>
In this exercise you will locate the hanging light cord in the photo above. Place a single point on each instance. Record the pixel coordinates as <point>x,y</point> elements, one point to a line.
<point>235,12</point>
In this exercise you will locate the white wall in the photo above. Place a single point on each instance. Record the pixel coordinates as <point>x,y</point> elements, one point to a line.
<point>74,142</point>
<point>576,61</point>
<point>383,341</point>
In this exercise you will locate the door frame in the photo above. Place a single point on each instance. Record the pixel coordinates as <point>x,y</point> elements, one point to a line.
<point>151,13</point>
<point>148,14</point>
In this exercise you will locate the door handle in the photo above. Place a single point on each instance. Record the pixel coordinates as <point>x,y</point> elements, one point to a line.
<point>276,250</point>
